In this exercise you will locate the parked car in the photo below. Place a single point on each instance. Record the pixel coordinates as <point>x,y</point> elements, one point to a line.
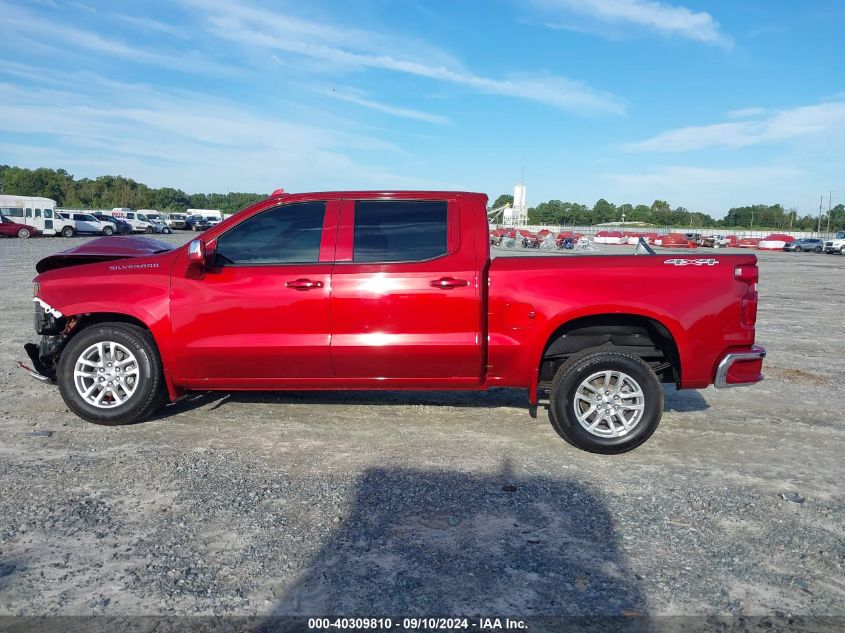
<point>715,241</point>
<point>176,220</point>
<point>122,227</point>
<point>805,244</point>
<point>403,286</point>
<point>197,223</point>
<point>160,226</point>
<point>10,228</point>
<point>138,221</point>
<point>836,245</point>
<point>86,223</point>
<point>695,238</point>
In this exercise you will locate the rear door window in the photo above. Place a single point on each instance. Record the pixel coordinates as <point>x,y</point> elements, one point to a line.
<point>288,234</point>
<point>399,230</point>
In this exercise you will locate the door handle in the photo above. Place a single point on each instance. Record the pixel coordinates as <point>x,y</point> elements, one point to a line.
<point>303,284</point>
<point>445,283</point>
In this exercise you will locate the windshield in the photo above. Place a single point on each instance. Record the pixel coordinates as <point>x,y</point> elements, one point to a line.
<point>840,235</point>
<point>142,217</point>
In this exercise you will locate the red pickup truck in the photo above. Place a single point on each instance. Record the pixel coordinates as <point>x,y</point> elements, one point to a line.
<point>390,290</point>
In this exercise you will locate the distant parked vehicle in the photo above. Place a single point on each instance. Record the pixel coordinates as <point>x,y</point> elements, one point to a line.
<point>10,228</point>
<point>214,216</point>
<point>715,241</point>
<point>695,237</point>
<point>122,227</point>
<point>36,212</point>
<point>176,220</point>
<point>138,221</point>
<point>160,226</point>
<point>805,244</point>
<point>86,223</point>
<point>197,223</point>
<point>836,245</point>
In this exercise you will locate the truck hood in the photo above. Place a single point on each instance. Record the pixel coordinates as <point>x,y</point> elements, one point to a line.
<point>104,249</point>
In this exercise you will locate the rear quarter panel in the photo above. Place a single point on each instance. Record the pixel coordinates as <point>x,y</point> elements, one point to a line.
<point>698,304</point>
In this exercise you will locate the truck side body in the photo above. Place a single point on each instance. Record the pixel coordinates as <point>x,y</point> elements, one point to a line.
<point>456,320</point>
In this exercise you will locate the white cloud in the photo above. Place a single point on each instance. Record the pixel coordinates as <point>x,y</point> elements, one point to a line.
<point>29,27</point>
<point>780,125</point>
<point>347,48</point>
<point>351,96</point>
<point>664,18</point>
<point>192,141</point>
<point>745,113</point>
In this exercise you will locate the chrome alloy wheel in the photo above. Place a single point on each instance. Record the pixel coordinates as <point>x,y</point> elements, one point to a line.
<point>106,374</point>
<point>609,403</point>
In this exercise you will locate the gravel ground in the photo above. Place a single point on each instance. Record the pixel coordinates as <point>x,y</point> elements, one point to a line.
<point>433,503</point>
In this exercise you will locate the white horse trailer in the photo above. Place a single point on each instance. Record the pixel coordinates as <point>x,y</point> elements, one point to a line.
<point>38,212</point>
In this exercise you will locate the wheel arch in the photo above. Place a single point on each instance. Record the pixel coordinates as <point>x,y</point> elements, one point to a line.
<point>85,320</point>
<point>642,335</point>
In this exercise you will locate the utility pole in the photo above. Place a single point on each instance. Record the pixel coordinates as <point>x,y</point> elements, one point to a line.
<point>829,199</point>
<point>752,219</point>
<point>821,204</point>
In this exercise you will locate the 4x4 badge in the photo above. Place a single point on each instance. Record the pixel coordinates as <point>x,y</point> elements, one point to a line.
<point>691,262</point>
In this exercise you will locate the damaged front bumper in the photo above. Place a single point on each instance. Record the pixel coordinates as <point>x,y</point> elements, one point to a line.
<point>54,329</point>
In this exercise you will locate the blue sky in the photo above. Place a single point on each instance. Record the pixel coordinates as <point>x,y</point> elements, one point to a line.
<point>706,105</point>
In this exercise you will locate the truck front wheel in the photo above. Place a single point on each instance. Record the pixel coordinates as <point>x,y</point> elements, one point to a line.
<point>605,401</point>
<point>111,374</point>
<point>68,231</point>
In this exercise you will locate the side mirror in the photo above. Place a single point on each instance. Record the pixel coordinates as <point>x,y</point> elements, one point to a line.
<point>196,254</point>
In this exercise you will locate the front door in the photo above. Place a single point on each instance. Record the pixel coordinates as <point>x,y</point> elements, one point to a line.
<point>406,305</point>
<point>260,314</point>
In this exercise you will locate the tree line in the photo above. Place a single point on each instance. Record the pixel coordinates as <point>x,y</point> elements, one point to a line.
<point>661,213</point>
<point>107,192</point>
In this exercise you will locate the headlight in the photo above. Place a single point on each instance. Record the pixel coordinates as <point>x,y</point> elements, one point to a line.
<point>36,287</point>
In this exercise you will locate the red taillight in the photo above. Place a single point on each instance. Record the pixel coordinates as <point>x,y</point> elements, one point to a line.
<point>748,304</point>
<point>748,273</point>
<point>748,309</point>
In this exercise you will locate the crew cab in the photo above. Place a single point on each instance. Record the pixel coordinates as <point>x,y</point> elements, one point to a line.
<point>390,291</point>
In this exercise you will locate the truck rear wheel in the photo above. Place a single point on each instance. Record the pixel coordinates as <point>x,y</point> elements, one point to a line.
<point>605,401</point>
<point>68,231</point>
<point>111,374</point>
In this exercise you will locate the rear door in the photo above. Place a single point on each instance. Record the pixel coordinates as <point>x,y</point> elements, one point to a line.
<point>405,303</point>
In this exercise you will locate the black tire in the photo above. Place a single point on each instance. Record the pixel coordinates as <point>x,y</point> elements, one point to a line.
<point>149,390</point>
<point>149,230</point>
<point>569,377</point>
<point>842,251</point>
<point>108,231</point>
<point>818,249</point>
<point>68,231</point>
<point>24,233</point>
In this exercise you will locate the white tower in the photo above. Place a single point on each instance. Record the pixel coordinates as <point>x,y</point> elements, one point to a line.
<point>520,208</point>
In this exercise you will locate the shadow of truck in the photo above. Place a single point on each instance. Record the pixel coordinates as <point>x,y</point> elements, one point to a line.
<point>419,544</point>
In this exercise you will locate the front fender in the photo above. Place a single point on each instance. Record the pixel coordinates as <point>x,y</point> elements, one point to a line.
<point>130,294</point>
